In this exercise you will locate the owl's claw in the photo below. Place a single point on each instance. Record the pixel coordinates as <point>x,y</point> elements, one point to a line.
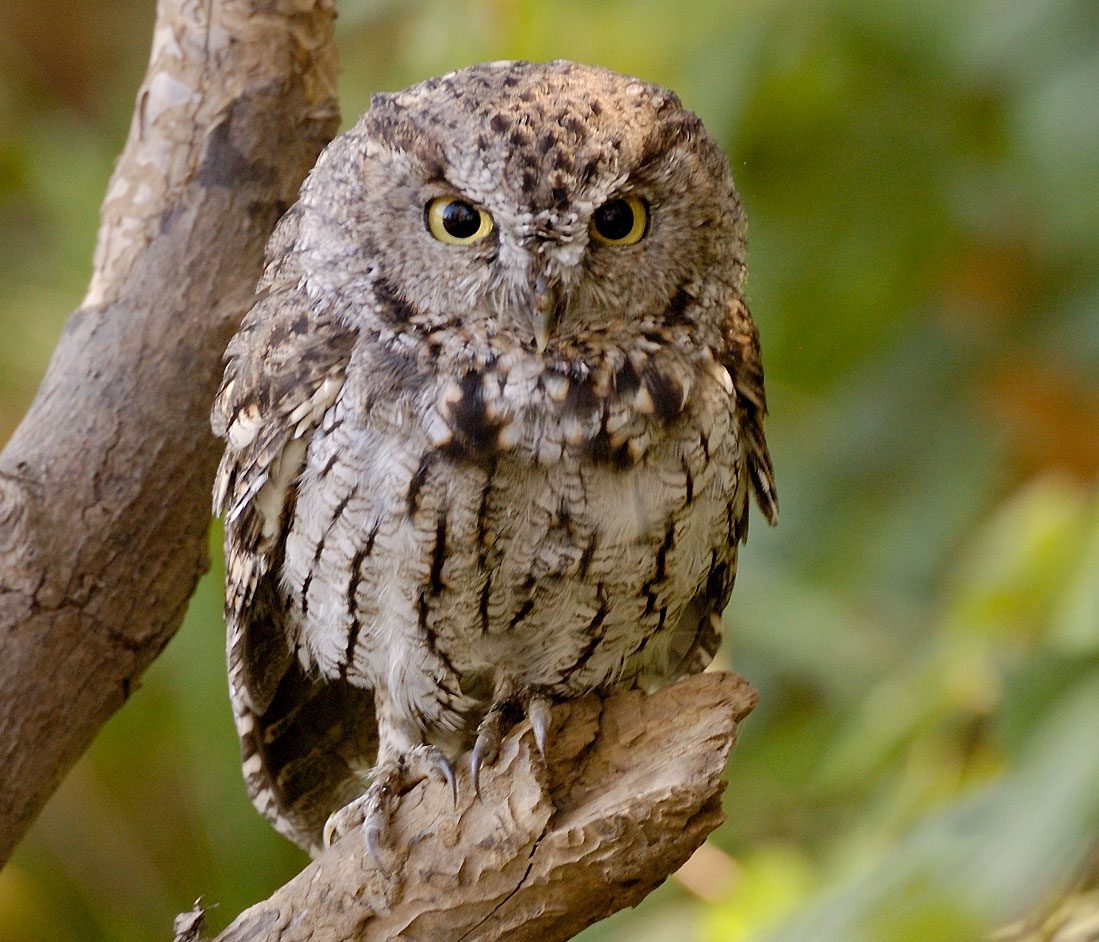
<point>372,837</point>
<point>373,810</point>
<point>539,715</point>
<point>487,746</point>
<point>491,731</point>
<point>447,771</point>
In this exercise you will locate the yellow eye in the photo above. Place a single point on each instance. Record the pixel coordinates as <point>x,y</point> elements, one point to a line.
<point>455,221</point>
<point>621,221</point>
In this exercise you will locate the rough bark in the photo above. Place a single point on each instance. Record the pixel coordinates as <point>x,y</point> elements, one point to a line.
<point>630,788</point>
<point>104,487</point>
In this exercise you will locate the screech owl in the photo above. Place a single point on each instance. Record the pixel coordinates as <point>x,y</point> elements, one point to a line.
<point>491,426</point>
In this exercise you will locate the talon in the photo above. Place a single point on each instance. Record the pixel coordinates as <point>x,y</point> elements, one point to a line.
<point>329,832</point>
<point>486,747</point>
<point>343,821</point>
<point>539,714</point>
<point>371,811</point>
<point>443,766</point>
<point>508,701</point>
<point>372,837</point>
<point>475,768</point>
<point>480,749</point>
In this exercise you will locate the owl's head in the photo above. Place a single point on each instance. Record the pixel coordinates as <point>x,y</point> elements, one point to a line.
<point>553,207</point>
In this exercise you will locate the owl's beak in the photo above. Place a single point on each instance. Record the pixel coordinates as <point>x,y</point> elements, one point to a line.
<point>549,312</point>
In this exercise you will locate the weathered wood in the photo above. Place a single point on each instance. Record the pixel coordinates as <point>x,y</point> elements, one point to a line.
<point>104,487</point>
<point>630,788</point>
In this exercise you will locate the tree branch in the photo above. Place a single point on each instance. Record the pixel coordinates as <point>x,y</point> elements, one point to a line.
<point>631,787</point>
<point>104,487</point>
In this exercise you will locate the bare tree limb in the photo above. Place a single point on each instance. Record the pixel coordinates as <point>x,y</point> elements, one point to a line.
<point>631,786</point>
<point>104,487</point>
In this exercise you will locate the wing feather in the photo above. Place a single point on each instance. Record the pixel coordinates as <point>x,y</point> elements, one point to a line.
<point>742,358</point>
<point>698,633</point>
<point>301,738</point>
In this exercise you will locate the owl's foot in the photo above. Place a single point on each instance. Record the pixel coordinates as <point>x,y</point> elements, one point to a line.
<point>372,811</point>
<point>506,711</point>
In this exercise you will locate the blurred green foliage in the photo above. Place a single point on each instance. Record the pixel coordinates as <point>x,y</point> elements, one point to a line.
<point>922,183</point>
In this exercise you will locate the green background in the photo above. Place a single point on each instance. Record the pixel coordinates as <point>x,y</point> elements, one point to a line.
<point>922,187</point>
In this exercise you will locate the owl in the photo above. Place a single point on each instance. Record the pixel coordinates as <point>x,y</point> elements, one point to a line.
<point>491,429</point>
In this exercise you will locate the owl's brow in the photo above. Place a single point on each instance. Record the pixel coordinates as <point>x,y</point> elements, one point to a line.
<point>661,140</point>
<point>436,177</point>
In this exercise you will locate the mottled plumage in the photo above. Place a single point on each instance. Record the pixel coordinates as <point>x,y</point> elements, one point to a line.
<point>462,477</point>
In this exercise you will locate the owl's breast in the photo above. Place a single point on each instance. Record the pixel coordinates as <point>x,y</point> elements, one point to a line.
<point>509,522</point>
<point>586,562</point>
<point>611,409</point>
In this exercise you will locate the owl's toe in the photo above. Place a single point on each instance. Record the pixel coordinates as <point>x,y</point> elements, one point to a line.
<point>347,819</point>
<point>538,712</point>
<point>505,712</point>
<point>487,746</point>
<point>371,813</point>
